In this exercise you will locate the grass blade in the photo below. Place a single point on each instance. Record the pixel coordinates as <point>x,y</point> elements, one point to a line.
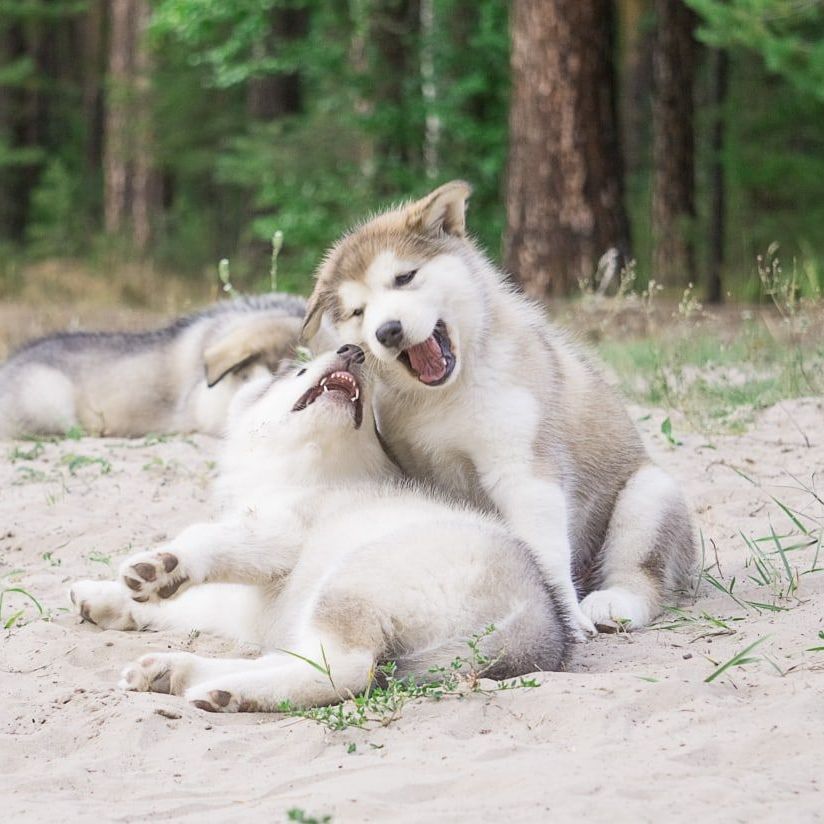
<point>738,660</point>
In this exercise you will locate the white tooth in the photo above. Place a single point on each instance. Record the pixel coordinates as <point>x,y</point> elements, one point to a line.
<point>323,381</point>
<point>356,395</point>
<point>325,387</point>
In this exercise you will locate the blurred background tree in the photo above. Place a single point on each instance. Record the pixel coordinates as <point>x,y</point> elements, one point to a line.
<point>687,134</point>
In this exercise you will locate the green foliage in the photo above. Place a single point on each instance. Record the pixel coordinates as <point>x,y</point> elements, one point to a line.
<point>388,694</point>
<point>388,103</point>
<point>56,226</point>
<point>301,816</point>
<point>358,139</point>
<point>788,35</point>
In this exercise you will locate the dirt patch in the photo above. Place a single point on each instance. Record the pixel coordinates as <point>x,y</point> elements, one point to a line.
<point>631,731</point>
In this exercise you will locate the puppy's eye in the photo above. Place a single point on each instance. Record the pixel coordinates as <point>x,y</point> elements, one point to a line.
<point>406,277</point>
<point>356,313</point>
<point>301,371</point>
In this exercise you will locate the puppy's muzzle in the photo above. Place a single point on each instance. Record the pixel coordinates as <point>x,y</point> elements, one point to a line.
<point>351,354</point>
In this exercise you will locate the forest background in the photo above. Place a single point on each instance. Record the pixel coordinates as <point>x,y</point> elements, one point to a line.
<point>687,137</point>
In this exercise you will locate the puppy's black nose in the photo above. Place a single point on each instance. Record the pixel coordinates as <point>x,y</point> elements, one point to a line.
<point>351,353</point>
<point>390,334</point>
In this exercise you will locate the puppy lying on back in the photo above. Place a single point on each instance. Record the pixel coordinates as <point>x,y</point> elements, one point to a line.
<point>180,378</point>
<point>323,553</point>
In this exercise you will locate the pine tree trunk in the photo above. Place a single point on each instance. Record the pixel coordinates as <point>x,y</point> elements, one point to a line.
<point>19,128</point>
<point>272,96</point>
<point>673,149</point>
<point>565,205</point>
<point>91,47</point>
<point>394,38</point>
<point>720,78</point>
<point>130,188</point>
<point>635,82</point>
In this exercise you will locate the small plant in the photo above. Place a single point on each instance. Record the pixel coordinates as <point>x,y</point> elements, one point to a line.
<point>225,278</point>
<point>666,431</point>
<point>381,705</point>
<point>709,625</point>
<point>28,475</point>
<point>738,660</point>
<point>100,558</point>
<point>75,462</point>
<point>32,454</point>
<point>301,816</point>
<point>14,618</point>
<point>277,245</point>
<point>818,649</point>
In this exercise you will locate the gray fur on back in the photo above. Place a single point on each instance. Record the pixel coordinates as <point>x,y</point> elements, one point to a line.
<point>56,346</point>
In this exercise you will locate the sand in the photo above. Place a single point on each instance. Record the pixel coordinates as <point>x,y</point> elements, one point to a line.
<point>630,732</point>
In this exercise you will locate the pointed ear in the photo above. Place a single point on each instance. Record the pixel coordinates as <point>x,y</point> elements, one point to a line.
<point>314,313</point>
<point>270,338</point>
<point>441,211</point>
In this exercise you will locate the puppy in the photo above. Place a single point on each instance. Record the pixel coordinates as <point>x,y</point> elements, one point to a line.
<point>479,393</point>
<point>324,554</point>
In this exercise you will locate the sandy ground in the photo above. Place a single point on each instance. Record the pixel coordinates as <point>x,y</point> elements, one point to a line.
<point>631,732</point>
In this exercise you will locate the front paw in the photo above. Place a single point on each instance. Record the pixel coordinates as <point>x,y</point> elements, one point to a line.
<point>153,576</point>
<point>581,625</point>
<point>103,603</point>
<point>615,609</point>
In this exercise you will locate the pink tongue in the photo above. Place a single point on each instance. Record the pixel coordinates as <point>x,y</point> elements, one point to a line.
<point>427,360</point>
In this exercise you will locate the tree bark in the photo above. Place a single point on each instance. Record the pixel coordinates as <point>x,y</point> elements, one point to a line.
<point>635,81</point>
<point>92,49</point>
<point>720,79</point>
<point>565,205</point>
<point>272,96</point>
<point>673,145</point>
<point>394,34</point>
<point>130,185</point>
<point>21,119</point>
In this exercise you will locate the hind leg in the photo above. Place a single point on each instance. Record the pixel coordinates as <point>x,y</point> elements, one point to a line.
<point>46,401</point>
<point>649,550</point>
<point>289,680</point>
<point>175,672</point>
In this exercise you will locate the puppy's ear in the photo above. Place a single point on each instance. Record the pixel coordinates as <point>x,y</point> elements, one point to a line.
<point>271,338</point>
<point>314,312</point>
<point>442,211</point>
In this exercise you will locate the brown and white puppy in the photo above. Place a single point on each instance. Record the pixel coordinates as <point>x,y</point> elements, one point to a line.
<point>479,393</point>
<point>180,378</point>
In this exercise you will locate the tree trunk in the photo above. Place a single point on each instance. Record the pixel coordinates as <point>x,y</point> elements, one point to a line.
<point>673,147</point>
<point>720,77</point>
<point>565,205</point>
<point>20,120</point>
<point>130,186</point>
<point>272,96</point>
<point>394,34</point>
<point>635,81</point>
<point>93,67</point>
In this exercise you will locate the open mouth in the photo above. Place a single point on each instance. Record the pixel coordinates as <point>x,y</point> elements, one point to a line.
<point>431,361</point>
<point>339,385</point>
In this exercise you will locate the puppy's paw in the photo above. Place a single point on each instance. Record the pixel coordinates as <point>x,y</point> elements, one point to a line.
<point>153,576</point>
<point>219,700</point>
<point>158,672</point>
<point>581,626</point>
<point>616,609</point>
<point>103,603</point>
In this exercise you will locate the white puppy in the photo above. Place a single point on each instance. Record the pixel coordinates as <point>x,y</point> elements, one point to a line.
<point>339,560</point>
